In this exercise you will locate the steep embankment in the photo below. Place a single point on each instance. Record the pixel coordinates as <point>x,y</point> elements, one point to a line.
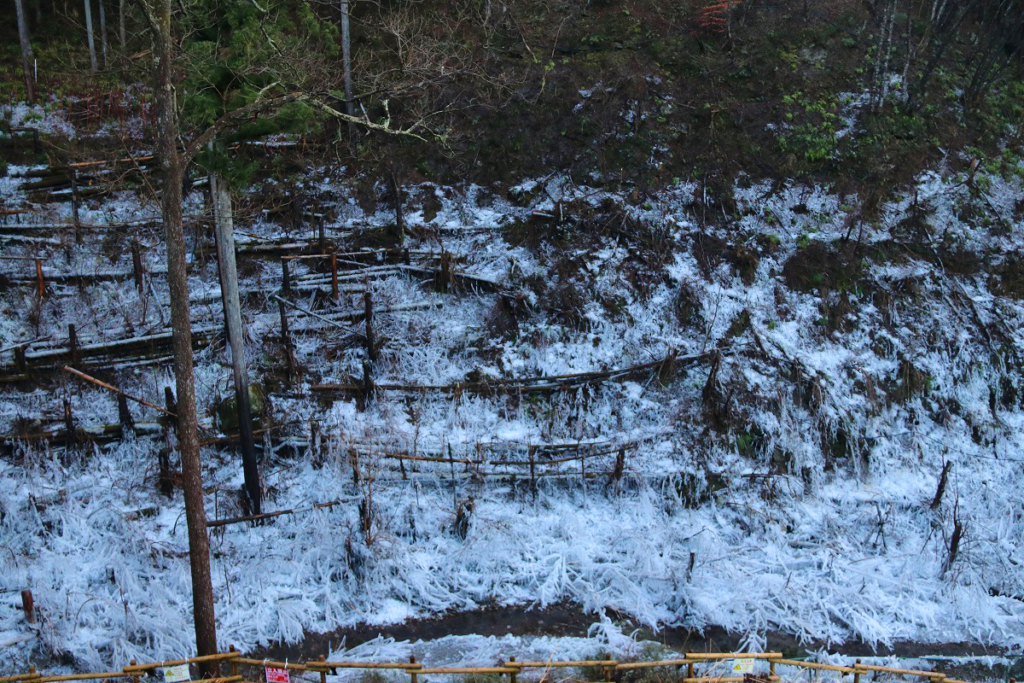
<point>788,481</point>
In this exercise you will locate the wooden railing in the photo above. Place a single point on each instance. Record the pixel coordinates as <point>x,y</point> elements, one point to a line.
<point>512,668</point>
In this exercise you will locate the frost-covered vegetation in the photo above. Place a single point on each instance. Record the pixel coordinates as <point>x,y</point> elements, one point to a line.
<point>690,320</point>
<point>790,484</point>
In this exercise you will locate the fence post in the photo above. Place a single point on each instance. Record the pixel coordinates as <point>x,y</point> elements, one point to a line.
<point>367,384</point>
<point>73,345</point>
<point>444,276</point>
<point>40,283</point>
<point>668,367</point>
<point>233,663</point>
<point>856,673</point>
<point>689,669</point>
<point>608,670</point>
<point>323,672</point>
<point>69,426</point>
<point>771,669</point>
<point>620,466</point>
<point>334,277</point>
<point>286,281</point>
<point>137,264</point>
<point>124,415</point>
<point>533,472</point>
<point>512,676</point>
<point>286,341</point>
<point>371,350</point>
<point>28,606</point>
<point>74,206</point>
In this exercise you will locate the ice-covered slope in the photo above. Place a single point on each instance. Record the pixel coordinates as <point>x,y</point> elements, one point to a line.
<point>792,491</point>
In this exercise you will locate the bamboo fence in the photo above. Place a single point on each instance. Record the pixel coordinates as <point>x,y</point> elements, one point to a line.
<point>712,669</point>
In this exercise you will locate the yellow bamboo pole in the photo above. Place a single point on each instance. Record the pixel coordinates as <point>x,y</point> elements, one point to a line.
<point>626,666</point>
<point>85,677</point>
<point>906,672</point>
<point>179,662</point>
<point>813,665</point>
<point>271,663</point>
<point>734,655</point>
<point>316,666</point>
<point>573,663</point>
<point>470,670</point>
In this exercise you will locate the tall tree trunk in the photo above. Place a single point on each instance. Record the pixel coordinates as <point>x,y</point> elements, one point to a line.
<point>27,58</point>
<point>346,58</point>
<point>88,30</point>
<point>225,235</point>
<point>121,33</point>
<point>181,333</point>
<point>103,30</point>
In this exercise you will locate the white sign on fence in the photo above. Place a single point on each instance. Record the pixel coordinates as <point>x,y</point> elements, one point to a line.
<point>176,674</point>
<point>743,666</point>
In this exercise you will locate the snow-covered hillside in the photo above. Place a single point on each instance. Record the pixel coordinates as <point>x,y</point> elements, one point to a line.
<point>784,482</point>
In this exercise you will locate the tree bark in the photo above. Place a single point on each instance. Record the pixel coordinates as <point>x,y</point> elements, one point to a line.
<point>181,333</point>
<point>27,57</point>
<point>346,58</point>
<point>225,237</point>
<point>103,31</point>
<point>92,41</point>
<point>121,32</point>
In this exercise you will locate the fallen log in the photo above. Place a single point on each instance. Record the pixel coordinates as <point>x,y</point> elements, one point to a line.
<point>118,353</point>
<point>299,308</point>
<point>471,281</point>
<point>85,278</point>
<point>528,385</point>
<point>110,387</point>
<point>270,515</point>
